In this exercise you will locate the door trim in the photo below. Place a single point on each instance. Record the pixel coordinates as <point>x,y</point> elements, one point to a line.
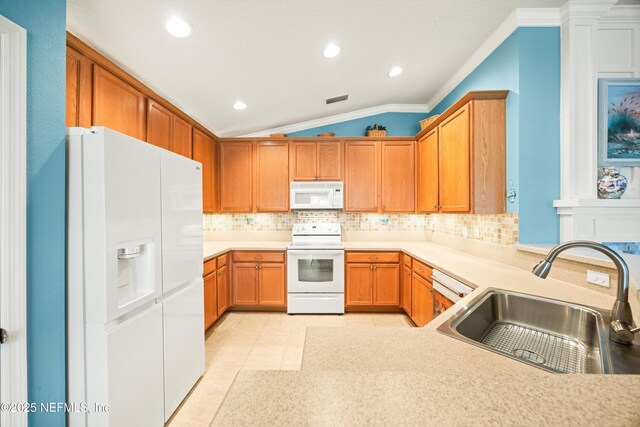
<point>13,285</point>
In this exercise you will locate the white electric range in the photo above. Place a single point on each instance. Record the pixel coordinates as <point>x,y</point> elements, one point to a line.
<point>315,272</point>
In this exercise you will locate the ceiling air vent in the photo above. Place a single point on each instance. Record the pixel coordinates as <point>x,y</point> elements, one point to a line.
<point>337,99</point>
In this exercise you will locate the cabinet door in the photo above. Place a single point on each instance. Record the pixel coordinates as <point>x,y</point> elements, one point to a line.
<point>398,176</point>
<point>361,177</point>
<point>245,284</point>
<point>271,285</point>
<point>428,172</point>
<point>78,103</point>
<point>329,161</point>
<point>440,304</point>
<point>386,284</point>
<point>181,137</point>
<point>405,289</point>
<point>236,176</point>
<point>421,300</point>
<point>359,286</point>
<point>304,161</point>
<point>117,105</point>
<point>223,290</point>
<point>453,162</point>
<point>159,125</point>
<point>204,151</point>
<point>272,176</point>
<point>210,300</point>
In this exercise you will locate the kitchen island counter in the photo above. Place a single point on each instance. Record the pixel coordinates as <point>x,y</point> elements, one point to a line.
<point>419,376</point>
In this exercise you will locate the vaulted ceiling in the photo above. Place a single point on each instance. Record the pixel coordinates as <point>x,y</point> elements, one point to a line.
<point>269,53</point>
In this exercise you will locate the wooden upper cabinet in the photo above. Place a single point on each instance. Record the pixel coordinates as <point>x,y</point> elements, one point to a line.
<point>117,105</point>
<point>398,176</point>
<point>329,161</point>
<point>78,89</point>
<point>427,181</point>
<point>454,162</point>
<point>159,125</point>
<point>304,162</point>
<point>272,176</point>
<point>361,176</point>
<point>469,142</point>
<point>181,137</point>
<point>316,161</point>
<point>236,168</point>
<point>204,151</point>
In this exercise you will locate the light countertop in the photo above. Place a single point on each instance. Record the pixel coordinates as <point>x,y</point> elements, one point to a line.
<point>419,376</point>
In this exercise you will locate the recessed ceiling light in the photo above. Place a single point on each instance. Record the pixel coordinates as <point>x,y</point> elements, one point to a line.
<point>239,105</point>
<point>395,71</point>
<point>178,27</point>
<point>332,50</point>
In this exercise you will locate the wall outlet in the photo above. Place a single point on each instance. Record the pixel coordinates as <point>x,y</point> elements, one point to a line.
<point>597,278</point>
<point>465,232</point>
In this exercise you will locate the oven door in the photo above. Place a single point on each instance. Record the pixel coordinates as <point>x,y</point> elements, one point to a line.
<point>315,271</point>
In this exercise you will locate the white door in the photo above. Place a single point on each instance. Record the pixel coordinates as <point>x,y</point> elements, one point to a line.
<point>13,305</point>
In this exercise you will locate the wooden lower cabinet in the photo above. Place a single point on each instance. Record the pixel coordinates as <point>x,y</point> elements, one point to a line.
<point>359,288</point>
<point>370,283</point>
<point>210,300</point>
<point>405,289</point>
<point>271,289</point>
<point>245,283</point>
<point>421,300</point>
<point>259,283</point>
<point>386,288</point>
<point>224,294</point>
<point>440,304</point>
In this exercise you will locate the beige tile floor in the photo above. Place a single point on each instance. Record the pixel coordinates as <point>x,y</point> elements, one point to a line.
<point>259,341</point>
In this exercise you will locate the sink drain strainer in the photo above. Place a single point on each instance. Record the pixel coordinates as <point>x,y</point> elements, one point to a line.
<point>529,355</point>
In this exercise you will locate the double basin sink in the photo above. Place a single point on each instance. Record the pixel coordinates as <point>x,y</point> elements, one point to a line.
<point>553,335</point>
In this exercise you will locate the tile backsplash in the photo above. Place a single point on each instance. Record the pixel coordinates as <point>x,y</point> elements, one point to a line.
<point>499,229</point>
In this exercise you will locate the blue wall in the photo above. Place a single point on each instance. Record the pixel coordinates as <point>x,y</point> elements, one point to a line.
<point>528,65</point>
<point>398,124</point>
<point>45,23</point>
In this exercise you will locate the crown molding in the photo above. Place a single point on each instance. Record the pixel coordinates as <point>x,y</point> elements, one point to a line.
<point>339,118</point>
<point>622,13</point>
<point>585,9</point>
<point>523,17</point>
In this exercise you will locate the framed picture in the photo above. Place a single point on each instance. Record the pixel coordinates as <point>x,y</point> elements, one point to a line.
<point>619,122</point>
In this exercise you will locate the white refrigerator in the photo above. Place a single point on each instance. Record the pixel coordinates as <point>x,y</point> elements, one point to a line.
<point>135,310</point>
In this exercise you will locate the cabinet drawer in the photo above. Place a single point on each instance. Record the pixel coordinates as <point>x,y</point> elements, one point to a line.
<point>373,257</point>
<point>209,267</point>
<point>422,269</point>
<point>406,259</point>
<point>222,260</point>
<point>258,256</point>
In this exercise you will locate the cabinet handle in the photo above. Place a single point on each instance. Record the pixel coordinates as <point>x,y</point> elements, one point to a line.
<point>371,267</point>
<point>257,257</point>
<point>256,266</point>
<point>435,206</point>
<point>373,257</point>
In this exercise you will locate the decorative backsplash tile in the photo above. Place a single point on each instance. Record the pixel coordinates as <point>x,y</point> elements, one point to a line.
<point>499,229</point>
<point>284,222</point>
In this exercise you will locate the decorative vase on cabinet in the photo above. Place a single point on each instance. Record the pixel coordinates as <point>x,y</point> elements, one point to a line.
<point>611,184</point>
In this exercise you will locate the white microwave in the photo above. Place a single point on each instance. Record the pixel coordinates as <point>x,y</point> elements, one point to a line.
<point>316,195</point>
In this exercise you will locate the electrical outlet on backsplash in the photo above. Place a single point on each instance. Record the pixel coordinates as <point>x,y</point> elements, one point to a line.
<point>500,229</point>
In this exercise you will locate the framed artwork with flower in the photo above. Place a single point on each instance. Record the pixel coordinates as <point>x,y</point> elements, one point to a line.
<point>619,122</point>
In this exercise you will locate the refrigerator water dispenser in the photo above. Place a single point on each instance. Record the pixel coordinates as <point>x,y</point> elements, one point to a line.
<point>136,271</point>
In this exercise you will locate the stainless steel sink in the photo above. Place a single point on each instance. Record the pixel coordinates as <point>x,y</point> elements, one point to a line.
<point>554,335</point>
